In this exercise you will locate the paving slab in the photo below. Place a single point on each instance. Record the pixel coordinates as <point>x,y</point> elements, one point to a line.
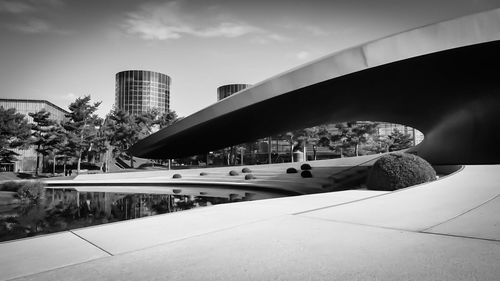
<point>147,232</point>
<point>482,222</point>
<point>32,255</point>
<point>424,206</point>
<point>298,248</point>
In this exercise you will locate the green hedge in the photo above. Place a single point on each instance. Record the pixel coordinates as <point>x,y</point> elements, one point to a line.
<point>399,170</point>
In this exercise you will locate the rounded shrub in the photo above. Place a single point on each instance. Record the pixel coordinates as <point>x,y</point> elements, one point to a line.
<point>233,173</point>
<point>176,176</point>
<point>399,170</point>
<point>305,167</point>
<point>291,171</point>
<point>249,177</point>
<point>246,170</point>
<point>306,174</point>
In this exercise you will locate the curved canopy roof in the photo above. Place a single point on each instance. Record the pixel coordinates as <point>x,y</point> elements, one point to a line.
<point>441,79</point>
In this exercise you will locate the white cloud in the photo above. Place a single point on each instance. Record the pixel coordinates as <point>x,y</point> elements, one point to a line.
<point>15,7</point>
<point>315,30</point>
<point>26,15</point>
<point>226,29</point>
<point>28,6</point>
<point>306,29</point>
<point>70,97</point>
<point>303,55</point>
<point>32,26</point>
<point>168,21</point>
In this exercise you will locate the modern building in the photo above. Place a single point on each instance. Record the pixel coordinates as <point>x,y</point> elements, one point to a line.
<point>280,148</point>
<point>229,89</point>
<point>27,158</point>
<point>139,91</point>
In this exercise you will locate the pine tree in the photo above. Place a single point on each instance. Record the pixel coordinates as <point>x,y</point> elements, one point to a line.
<point>81,126</point>
<point>120,130</point>
<point>14,133</point>
<point>43,135</point>
<point>352,135</point>
<point>399,140</point>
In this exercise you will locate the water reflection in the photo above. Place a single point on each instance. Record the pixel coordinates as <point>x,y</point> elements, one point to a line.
<point>69,209</point>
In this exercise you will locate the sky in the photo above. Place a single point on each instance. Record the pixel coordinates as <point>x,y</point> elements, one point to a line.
<point>59,50</point>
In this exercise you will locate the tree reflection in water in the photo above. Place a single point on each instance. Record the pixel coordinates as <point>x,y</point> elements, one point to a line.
<point>65,209</point>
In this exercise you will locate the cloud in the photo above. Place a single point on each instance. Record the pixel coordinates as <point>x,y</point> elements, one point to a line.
<point>267,37</point>
<point>315,30</point>
<point>35,26</point>
<point>26,16</point>
<point>226,29</point>
<point>70,97</point>
<point>307,29</point>
<point>28,6</point>
<point>15,7</point>
<point>32,26</point>
<point>303,55</point>
<point>163,21</point>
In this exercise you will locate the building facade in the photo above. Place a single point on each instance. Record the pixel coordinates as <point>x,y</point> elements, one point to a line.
<point>229,89</point>
<point>27,158</point>
<point>139,91</point>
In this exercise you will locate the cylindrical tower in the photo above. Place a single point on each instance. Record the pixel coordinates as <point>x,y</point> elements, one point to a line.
<point>227,90</point>
<point>139,91</point>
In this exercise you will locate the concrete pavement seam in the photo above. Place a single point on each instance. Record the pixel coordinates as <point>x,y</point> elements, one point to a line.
<point>110,254</point>
<point>402,229</point>
<point>463,213</point>
<point>344,203</point>
<point>460,236</point>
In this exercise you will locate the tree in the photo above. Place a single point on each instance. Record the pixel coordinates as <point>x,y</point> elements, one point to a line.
<point>43,135</point>
<point>81,126</point>
<point>352,135</point>
<point>123,130</point>
<point>166,119</point>
<point>61,148</point>
<point>397,140</point>
<point>400,140</point>
<point>120,130</point>
<point>14,133</point>
<point>101,146</point>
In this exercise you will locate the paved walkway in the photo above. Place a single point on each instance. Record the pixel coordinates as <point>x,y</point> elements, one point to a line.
<point>327,175</point>
<point>445,230</point>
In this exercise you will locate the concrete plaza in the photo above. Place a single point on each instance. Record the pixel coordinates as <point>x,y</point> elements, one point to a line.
<point>445,230</point>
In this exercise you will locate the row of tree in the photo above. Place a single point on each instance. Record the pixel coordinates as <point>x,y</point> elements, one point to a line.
<point>80,133</point>
<point>84,133</point>
<point>344,139</point>
<point>347,138</point>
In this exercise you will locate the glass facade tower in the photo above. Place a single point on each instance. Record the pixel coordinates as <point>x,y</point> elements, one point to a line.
<point>227,90</point>
<point>139,91</point>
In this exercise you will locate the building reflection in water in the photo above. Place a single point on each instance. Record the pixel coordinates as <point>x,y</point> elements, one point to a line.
<point>65,209</point>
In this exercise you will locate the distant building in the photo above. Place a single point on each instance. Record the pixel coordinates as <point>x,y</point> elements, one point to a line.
<point>27,158</point>
<point>139,91</point>
<point>229,89</point>
<point>25,106</point>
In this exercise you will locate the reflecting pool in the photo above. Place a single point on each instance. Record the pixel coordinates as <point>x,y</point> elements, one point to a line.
<point>65,209</point>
